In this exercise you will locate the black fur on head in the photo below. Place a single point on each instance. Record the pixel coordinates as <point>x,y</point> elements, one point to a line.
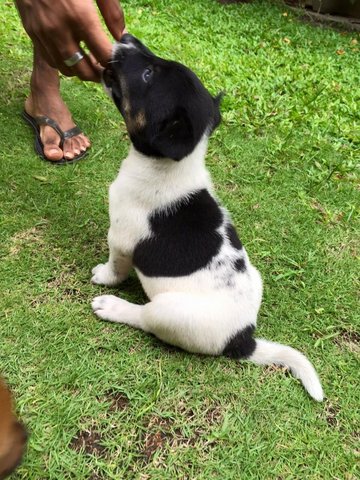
<point>165,106</point>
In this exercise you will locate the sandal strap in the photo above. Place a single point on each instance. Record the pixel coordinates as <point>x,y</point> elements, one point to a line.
<point>72,132</point>
<point>44,120</point>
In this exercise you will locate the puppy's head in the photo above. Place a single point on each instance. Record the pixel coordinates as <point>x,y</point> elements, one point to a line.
<point>12,435</point>
<point>165,106</point>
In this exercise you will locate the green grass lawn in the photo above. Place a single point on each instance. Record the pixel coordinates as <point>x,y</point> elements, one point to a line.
<point>104,401</point>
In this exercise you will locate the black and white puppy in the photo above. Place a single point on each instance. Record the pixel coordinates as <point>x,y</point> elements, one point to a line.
<point>166,222</point>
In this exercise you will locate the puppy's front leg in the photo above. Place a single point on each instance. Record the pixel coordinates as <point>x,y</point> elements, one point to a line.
<point>114,271</point>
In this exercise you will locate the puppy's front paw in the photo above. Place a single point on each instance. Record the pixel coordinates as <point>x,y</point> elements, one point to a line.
<point>104,275</point>
<point>109,307</point>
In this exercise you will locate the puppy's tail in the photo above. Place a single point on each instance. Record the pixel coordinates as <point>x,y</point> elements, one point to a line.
<point>267,353</point>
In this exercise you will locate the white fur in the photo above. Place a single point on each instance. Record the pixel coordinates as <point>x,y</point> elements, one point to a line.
<point>270,352</point>
<point>198,312</point>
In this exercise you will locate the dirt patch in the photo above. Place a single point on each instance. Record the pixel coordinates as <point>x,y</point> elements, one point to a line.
<point>214,415</point>
<point>63,278</point>
<point>157,431</point>
<point>74,294</point>
<point>275,369</point>
<point>271,370</point>
<point>347,247</point>
<point>348,339</point>
<point>66,284</point>
<point>347,336</point>
<point>39,300</point>
<point>96,476</point>
<point>89,442</point>
<point>326,216</point>
<point>30,237</point>
<point>118,401</point>
<point>331,413</point>
<point>152,442</point>
<point>161,434</point>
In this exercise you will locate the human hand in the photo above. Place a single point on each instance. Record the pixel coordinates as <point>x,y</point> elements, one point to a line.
<point>58,27</point>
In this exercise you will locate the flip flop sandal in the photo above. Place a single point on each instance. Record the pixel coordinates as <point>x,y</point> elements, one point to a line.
<point>36,122</point>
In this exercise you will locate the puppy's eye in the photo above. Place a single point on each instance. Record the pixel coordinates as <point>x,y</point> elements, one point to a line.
<point>147,74</point>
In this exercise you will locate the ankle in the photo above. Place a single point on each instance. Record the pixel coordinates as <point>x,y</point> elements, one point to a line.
<point>43,100</point>
<point>44,87</point>
<point>44,81</point>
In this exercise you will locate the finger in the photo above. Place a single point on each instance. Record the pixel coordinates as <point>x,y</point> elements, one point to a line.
<point>113,15</point>
<point>97,42</point>
<point>85,69</point>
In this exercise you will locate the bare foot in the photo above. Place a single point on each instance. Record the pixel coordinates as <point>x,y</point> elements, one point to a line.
<point>45,99</point>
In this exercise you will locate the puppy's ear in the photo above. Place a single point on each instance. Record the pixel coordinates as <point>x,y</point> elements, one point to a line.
<point>217,115</point>
<point>175,137</point>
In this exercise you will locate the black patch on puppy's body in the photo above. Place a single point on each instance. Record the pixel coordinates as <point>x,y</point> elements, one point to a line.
<point>239,265</point>
<point>233,237</point>
<point>242,344</point>
<point>184,238</point>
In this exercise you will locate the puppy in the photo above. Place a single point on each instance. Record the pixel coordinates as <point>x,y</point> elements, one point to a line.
<point>166,222</point>
<point>12,435</point>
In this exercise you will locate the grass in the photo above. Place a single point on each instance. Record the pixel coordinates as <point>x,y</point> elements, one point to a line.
<point>104,401</point>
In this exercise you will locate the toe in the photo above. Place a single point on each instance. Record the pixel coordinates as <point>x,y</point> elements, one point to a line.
<point>69,153</point>
<point>51,140</point>
<point>53,152</point>
<point>95,269</point>
<point>102,302</point>
<point>96,303</point>
<point>84,142</point>
<point>75,146</point>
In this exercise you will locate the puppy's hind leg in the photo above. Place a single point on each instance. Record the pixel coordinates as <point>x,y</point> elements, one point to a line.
<point>196,323</point>
<point>115,309</point>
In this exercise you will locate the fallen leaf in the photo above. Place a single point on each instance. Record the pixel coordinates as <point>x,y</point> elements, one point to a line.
<point>40,178</point>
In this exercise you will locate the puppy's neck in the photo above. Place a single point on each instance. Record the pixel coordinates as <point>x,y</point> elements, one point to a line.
<point>163,180</point>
